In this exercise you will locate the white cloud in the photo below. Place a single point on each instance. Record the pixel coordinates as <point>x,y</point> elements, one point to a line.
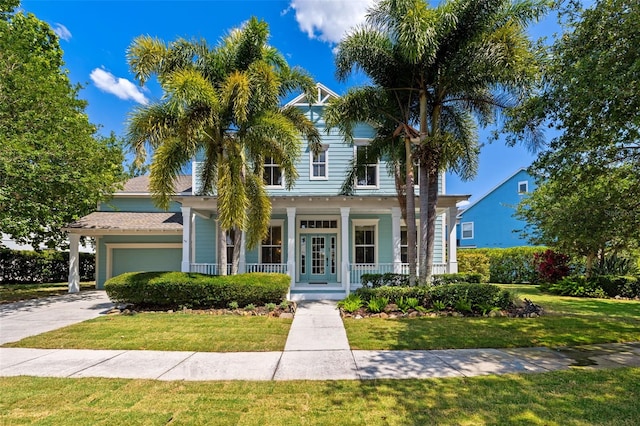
<point>121,87</point>
<point>61,31</point>
<point>329,20</point>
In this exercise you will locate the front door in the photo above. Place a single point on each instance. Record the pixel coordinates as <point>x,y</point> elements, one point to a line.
<point>318,258</point>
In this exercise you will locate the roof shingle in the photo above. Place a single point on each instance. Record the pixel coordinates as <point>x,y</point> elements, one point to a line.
<point>129,221</point>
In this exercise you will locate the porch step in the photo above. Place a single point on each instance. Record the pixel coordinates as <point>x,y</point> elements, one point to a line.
<point>320,294</point>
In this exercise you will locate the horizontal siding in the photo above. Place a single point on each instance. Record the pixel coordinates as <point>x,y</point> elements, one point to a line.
<point>141,204</point>
<point>205,240</point>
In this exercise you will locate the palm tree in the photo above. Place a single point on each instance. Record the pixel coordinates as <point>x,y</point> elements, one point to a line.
<point>455,65</point>
<point>223,104</point>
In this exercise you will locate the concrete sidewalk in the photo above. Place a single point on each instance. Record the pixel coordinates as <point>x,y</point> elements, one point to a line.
<point>316,349</point>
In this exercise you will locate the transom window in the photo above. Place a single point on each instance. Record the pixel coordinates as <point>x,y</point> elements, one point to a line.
<point>364,244</point>
<point>367,176</point>
<point>320,165</point>
<point>272,173</point>
<point>467,230</point>
<point>523,187</point>
<point>318,224</point>
<point>271,248</point>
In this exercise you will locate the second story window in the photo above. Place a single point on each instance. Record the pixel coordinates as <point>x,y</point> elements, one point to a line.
<point>368,176</point>
<point>467,230</point>
<point>272,173</point>
<point>319,165</point>
<point>523,187</point>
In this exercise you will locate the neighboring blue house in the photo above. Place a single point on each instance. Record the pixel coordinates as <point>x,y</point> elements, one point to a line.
<point>490,222</point>
<point>325,241</point>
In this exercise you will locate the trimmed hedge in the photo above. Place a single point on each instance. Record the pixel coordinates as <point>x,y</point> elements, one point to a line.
<point>48,266</point>
<point>379,280</point>
<point>442,279</point>
<point>174,290</point>
<point>472,262</point>
<point>478,295</point>
<point>506,265</point>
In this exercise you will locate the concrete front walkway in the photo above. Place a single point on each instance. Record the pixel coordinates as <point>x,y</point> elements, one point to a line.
<point>316,349</point>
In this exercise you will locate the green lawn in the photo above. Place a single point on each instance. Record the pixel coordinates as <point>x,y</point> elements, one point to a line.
<point>572,397</point>
<point>567,322</point>
<point>17,292</point>
<point>168,332</point>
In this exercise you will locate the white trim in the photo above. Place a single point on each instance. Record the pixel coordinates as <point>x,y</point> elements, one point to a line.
<point>324,95</point>
<point>282,183</point>
<point>111,246</point>
<point>280,223</point>
<point>526,186</point>
<point>376,237</point>
<point>299,232</point>
<point>462,237</point>
<point>365,142</point>
<point>325,149</point>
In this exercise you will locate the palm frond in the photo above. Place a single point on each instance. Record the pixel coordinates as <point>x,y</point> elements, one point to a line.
<point>259,210</point>
<point>169,160</point>
<point>145,56</point>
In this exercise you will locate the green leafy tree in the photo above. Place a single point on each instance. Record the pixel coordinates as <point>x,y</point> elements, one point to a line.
<point>223,103</point>
<point>592,170</point>
<point>53,166</point>
<point>583,216</point>
<point>448,68</point>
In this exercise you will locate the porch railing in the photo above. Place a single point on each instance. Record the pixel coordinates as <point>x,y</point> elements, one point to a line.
<point>212,268</point>
<point>357,270</point>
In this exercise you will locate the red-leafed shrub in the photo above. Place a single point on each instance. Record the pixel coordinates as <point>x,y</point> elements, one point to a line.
<point>551,266</point>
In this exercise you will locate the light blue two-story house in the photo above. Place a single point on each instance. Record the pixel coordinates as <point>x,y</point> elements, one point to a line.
<point>324,240</point>
<point>489,222</point>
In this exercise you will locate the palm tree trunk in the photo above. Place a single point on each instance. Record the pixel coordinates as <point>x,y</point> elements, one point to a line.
<point>222,251</point>
<point>410,217</point>
<point>424,220</point>
<point>432,182</point>
<point>237,240</point>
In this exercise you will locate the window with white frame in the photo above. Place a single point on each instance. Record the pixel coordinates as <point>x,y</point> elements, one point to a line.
<point>272,173</point>
<point>404,245</point>
<point>523,187</point>
<point>467,230</point>
<point>367,176</point>
<point>364,244</point>
<point>231,237</point>
<point>271,247</point>
<point>319,164</point>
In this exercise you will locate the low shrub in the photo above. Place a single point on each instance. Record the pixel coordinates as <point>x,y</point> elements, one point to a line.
<point>596,286</point>
<point>442,279</point>
<point>180,289</point>
<point>478,296</point>
<point>377,304</point>
<point>551,266</point>
<point>351,303</point>
<point>472,262</point>
<point>384,280</point>
<point>394,294</point>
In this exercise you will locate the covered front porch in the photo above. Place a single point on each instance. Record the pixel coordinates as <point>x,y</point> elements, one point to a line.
<point>325,244</point>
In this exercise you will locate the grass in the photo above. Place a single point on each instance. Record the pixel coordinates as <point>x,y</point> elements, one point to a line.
<point>168,332</point>
<point>567,322</point>
<point>18,292</point>
<point>571,397</point>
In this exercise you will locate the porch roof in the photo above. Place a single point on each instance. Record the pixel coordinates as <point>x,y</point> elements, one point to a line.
<point>101,223</point>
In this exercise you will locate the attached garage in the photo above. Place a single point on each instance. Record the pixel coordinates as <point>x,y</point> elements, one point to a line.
<point>123,258</point>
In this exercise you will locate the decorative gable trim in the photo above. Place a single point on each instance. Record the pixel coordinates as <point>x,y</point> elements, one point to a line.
<point>324,96</point>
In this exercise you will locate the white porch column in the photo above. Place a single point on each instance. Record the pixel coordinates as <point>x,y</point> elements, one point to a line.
<point>186,239</point>
<point>242,262</point>
<point>395,239</point>
<point>291,244</point>
<point>452,260</point>
<point>344,247</point>
<point>74,263</point>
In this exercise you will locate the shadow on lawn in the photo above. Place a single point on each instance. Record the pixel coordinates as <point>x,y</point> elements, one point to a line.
<point>566,397</point>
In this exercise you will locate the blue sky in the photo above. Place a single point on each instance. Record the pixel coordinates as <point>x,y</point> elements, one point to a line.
<point>95,35</point>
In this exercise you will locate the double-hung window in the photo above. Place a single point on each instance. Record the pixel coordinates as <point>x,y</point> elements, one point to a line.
<point>367,176</point>
<point>319,167</point>
<point>523,187</point>
<point>271,248</point>
<point>272,173</point>
<point>467,230</point>
<point>364,242</point>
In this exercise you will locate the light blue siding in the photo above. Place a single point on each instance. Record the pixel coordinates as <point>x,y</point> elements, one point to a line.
<point>494,224</point>
<point>205,240</point>
<point>384,247</point>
